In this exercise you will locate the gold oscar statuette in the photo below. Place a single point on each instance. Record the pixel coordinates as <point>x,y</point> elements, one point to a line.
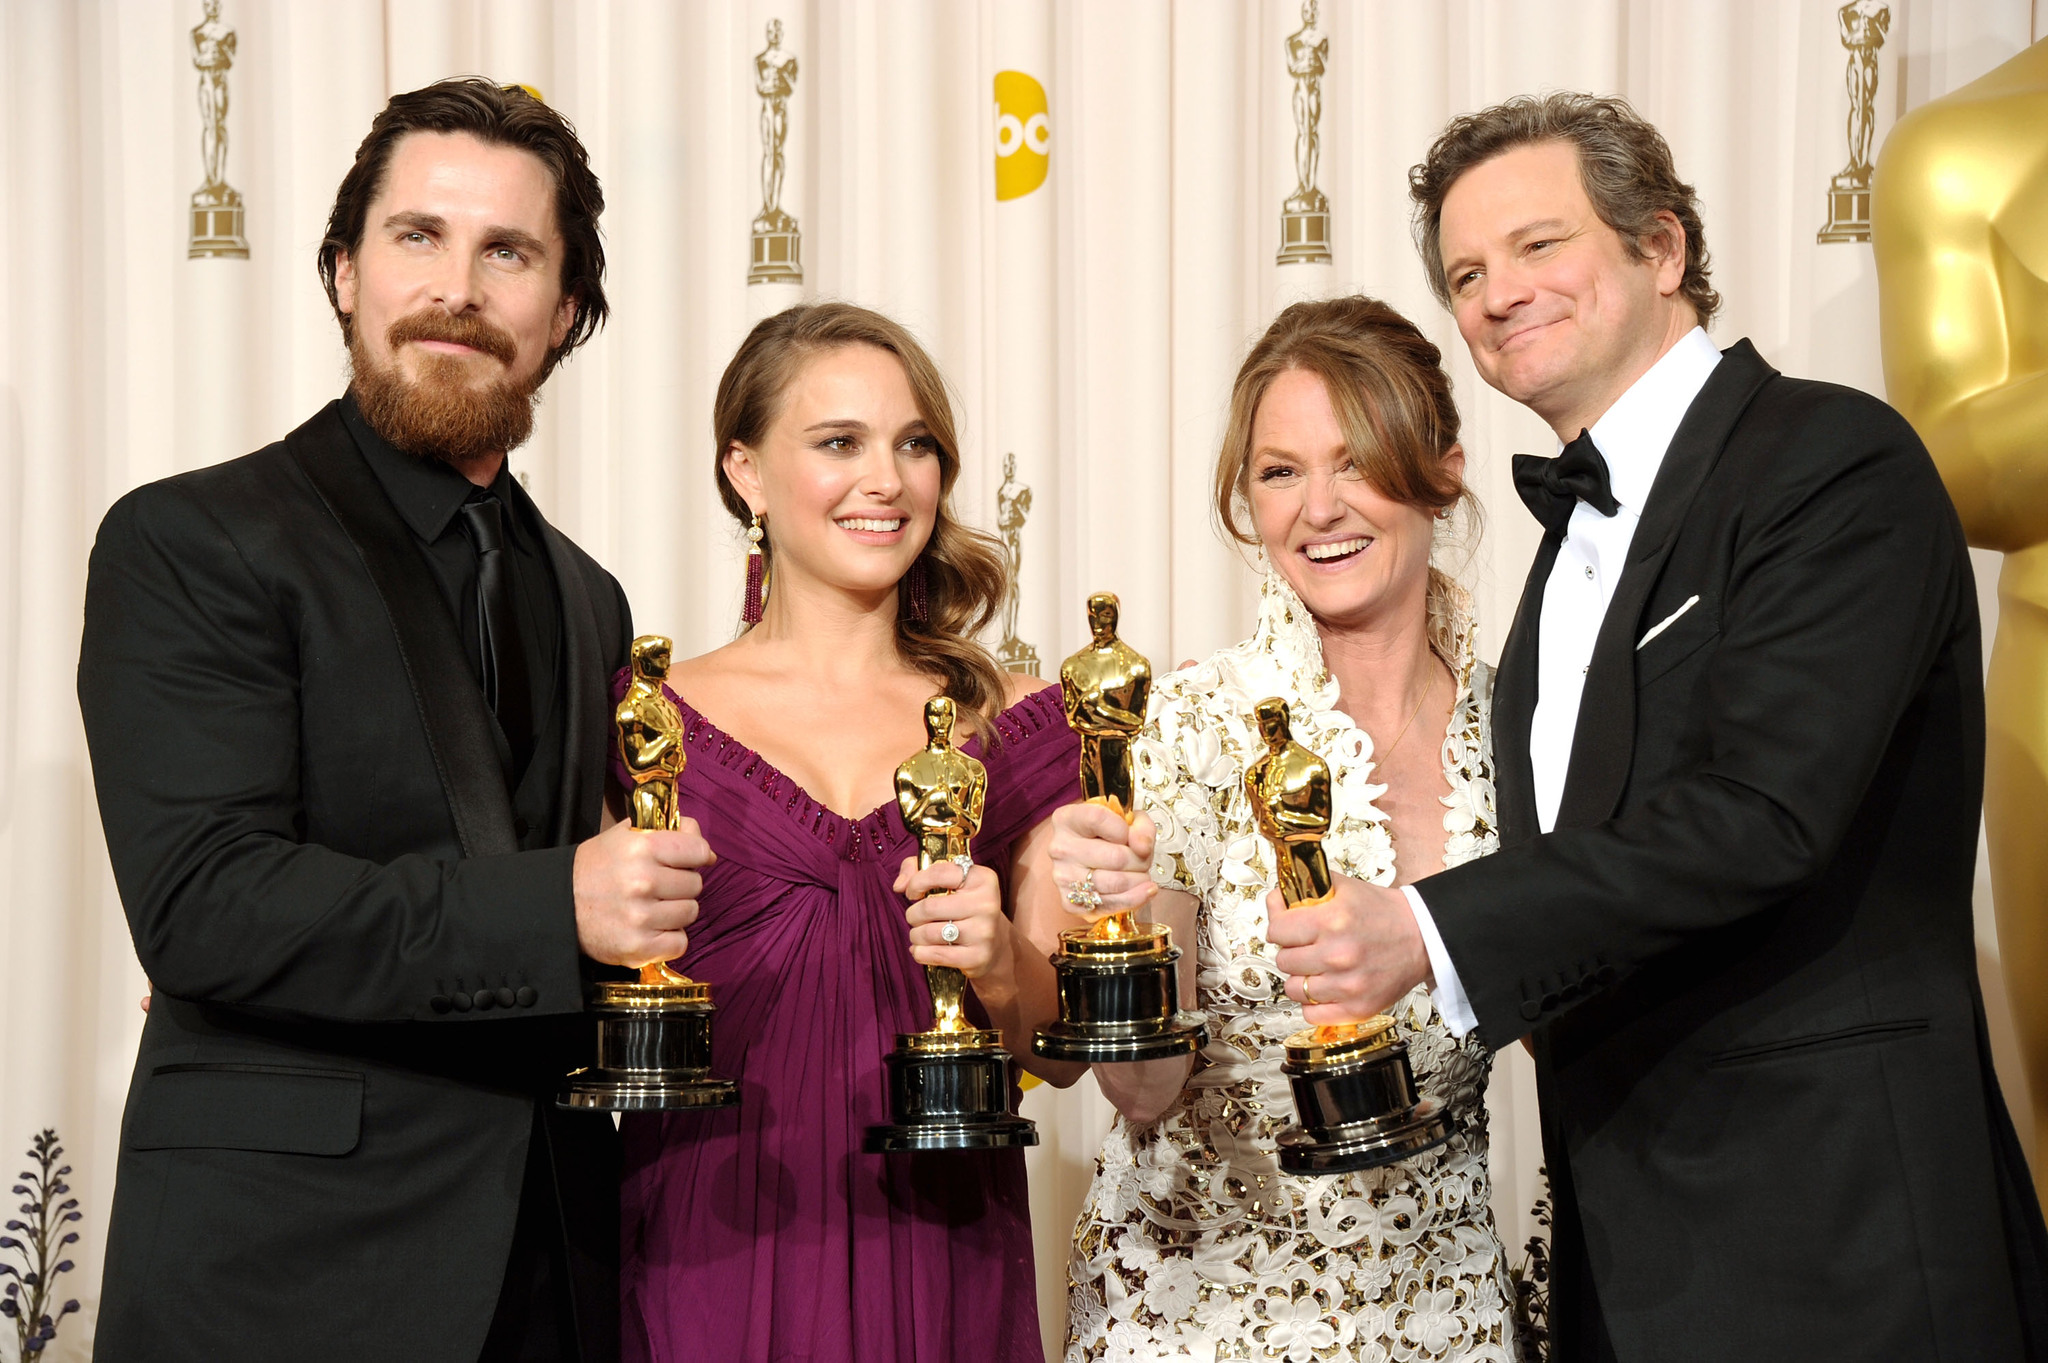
<point>217,210</point>
<point>1354,1091</point>
<point>1118,987</point>
<point>1305,217</point>
<point>1013,504</point>
<point>1864,24</point>
<point>949,1085</point>
<point>778,241</point>
<point>653,1033</point>
<point>1961,241</point>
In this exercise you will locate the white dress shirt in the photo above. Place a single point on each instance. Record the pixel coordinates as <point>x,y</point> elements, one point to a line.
<point>1632,436</point>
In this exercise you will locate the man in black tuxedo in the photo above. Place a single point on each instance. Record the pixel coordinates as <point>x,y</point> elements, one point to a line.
<point>347,701</point>
<point>1739,736</point>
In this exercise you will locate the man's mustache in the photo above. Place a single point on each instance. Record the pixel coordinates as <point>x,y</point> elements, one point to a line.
<point>459,329</point>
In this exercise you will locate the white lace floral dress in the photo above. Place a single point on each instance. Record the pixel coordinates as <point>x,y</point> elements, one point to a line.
<point>1193,1243</point>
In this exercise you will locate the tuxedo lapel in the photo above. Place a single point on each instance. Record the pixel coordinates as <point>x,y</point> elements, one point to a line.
<point>461,732</point>
<point>1514,703</point>
<point>585,692</point>
<point>1603,744</point>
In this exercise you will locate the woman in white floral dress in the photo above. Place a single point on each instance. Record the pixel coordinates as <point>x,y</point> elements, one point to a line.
<point>1342,455</point>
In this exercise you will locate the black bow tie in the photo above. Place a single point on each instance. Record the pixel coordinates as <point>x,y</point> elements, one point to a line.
<point>1551,487</point>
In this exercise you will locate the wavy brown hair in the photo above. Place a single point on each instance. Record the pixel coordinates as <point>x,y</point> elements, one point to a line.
<point>965,576</point>
<point>1392,398</point>
<point>1625,167</point>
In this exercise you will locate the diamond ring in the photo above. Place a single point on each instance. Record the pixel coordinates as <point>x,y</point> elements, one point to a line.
<point>1083,894</point>
<point>950,933</point>
<point>966,865</point>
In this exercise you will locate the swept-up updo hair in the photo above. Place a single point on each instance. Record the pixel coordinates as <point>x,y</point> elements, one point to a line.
<point>965,578</point>
<point>1392,398</point>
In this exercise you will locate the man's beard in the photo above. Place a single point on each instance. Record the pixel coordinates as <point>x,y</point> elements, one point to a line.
<point>443,414</point>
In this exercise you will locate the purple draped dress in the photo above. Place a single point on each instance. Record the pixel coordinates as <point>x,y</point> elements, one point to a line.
<point>763,1232</point>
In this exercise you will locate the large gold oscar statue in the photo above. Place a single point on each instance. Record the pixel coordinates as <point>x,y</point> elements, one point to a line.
<point>1961,236</point>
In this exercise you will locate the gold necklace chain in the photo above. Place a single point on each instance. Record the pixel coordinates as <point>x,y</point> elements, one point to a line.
<point>1427,687</point>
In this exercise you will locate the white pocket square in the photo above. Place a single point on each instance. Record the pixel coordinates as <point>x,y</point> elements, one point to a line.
<point>1666,622</point>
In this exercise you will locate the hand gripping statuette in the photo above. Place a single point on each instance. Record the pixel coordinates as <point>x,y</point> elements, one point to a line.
<point>653,1033</point>
<point>1119,990</point>
<point>949,1085</point>
<point>1354,1093</point>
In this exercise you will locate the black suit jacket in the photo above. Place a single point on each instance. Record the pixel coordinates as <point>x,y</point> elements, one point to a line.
<point>362,986</point>
<point>1746,950</point>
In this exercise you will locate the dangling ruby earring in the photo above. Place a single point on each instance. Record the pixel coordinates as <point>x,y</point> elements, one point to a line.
<point>757,575</point>
<point>914,602</point>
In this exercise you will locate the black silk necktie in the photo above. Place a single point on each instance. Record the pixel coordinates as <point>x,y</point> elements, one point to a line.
<point>507,688</point>
<point>1551,487</point>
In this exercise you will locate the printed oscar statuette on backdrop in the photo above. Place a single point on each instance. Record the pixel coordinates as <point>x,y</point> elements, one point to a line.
<point>1354,1094</point>
<point>1118,986</point>
<point>653,1033</point>
<point>949,1085</point>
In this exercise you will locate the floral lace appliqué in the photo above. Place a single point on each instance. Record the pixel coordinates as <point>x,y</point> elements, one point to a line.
<point>1193,1243</point>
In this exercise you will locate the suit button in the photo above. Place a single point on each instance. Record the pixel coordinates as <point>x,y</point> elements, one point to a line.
<point>505,997</point>
<point>484,998</point>
<point>526,997</point>
<point>440,1003</point>
<point>1549,1002</point>
<point>1531,1010</point>
<point>459,1002</point>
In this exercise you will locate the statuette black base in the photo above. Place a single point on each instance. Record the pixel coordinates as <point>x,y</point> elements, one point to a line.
<point>653,1052</point>
<point>1119,1001</point>
<point>1356,1103</point>
<point>949,1092</point>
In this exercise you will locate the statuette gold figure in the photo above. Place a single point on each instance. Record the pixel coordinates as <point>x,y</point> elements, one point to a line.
<point>216,205</point>
<point>654,1032</point>
<point>1305,217</point>
<point>941,792</point>
<point>1289,788</point>
<point>1354,1091</point>
<point>650,730</point>
<point>1961,241</point>
<point>949,1085</point>
<point>778,242</point>
<point>1013,505</point>
<point>1864,24</point>
<point>1105,687</point>
<point>1118,985</point>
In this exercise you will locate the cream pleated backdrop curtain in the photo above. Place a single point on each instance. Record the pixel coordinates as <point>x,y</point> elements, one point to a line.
<point>1091,325</point>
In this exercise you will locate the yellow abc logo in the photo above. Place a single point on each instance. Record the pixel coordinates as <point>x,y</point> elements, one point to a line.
<point>1023,135</point>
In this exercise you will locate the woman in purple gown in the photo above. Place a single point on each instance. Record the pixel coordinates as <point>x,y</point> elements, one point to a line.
<point>764,1232</point>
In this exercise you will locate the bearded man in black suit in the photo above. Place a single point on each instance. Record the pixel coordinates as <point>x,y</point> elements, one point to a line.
<point>1739,740</point>
<point>347,702</point>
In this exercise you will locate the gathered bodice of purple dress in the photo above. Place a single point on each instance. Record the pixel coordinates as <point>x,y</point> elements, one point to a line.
<point>763,1232</point>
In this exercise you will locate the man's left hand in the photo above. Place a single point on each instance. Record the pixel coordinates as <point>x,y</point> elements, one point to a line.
<point>1351,957</point>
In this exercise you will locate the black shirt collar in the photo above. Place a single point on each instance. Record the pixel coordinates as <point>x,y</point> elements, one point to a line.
<point>427,492</point>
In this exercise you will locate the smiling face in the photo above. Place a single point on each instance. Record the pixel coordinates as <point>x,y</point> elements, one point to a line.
<point>1558,312</point>
<point>454,294</point>
<point>847,476</point>
<point>1355,556</point>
